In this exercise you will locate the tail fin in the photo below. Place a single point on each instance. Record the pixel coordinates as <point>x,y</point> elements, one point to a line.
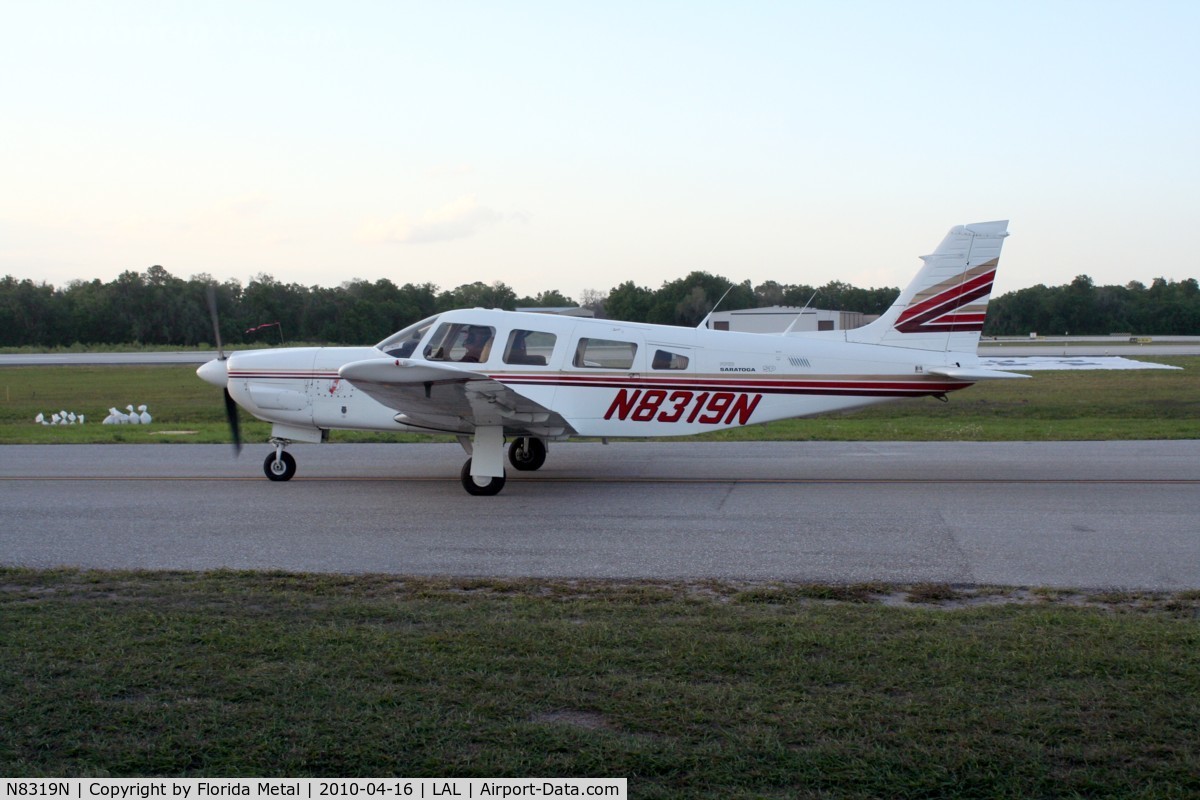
<point>943,308</point>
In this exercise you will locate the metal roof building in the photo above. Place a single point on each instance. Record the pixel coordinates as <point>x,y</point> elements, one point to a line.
<point>776,319</point>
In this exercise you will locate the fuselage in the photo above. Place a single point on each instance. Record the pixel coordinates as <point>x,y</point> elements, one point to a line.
<point>604,378</point>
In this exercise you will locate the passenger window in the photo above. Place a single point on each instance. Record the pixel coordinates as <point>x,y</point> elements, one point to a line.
<point>664,359</point>
<point>529,347</point>
<point>457,342</point>
<point>604,354</point>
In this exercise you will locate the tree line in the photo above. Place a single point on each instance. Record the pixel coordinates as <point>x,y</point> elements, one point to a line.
<point>157,308</point>
<point>1082,308</point>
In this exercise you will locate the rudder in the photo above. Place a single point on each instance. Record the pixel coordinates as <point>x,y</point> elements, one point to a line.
<point>943,308</point>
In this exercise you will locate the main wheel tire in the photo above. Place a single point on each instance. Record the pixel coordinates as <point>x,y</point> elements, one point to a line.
<point>527,453</point>
<point>493,486</point>
<point>281,469</point>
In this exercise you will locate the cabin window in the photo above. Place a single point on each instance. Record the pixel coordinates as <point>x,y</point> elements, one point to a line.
<point>604,354</point>
<point>533,348</point>
<point>665,359</point>
<point>404,342</point>
<point>453,341</point>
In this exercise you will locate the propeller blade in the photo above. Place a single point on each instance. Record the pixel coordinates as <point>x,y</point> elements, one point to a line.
<point>231,412</point>
<point>220,376</point>
<point>212,310</point>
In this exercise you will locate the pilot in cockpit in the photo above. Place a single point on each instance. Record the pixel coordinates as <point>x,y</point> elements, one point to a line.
<point>477,344</point>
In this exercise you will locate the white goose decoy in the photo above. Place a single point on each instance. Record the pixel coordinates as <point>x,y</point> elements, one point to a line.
<point>144,416</point>
<point>132,418</point>
<point>113,418</point>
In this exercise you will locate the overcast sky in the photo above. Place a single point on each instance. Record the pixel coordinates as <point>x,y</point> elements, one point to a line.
<point>574,146</point>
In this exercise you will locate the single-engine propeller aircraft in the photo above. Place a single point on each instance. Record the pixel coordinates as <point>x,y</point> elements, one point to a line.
<point>487,375</point>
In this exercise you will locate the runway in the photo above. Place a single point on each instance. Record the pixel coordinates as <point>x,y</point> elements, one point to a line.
<point>1065,347</point>
<point>1079,514</point>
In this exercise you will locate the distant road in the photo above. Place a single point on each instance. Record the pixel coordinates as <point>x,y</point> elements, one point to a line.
<point>1091,346</point>
<point>1046,346</point>
<point>106,359</point>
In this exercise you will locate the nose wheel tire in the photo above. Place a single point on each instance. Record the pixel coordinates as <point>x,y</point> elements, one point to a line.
<point>280,469</point>
<point>493,485</point>
<point>527,453</point>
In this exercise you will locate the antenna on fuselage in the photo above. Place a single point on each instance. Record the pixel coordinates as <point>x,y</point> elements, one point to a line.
<point>801,313</point>
<point>704,322</point>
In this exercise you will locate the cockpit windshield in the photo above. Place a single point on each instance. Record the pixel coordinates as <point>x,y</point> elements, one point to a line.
<point>403,343</point>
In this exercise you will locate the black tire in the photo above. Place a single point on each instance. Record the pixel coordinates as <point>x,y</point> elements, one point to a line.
<point>527,453</point>
<point>282,469</point>
<point>493,486</point>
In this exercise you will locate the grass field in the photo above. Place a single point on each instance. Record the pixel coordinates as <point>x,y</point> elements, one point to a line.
<point>689,690</point>
<point>1049,406</point>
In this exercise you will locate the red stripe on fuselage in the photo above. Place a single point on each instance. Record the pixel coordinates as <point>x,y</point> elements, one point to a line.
<point>283,375</point>
<point>861,386</point>
<point>858,386</point>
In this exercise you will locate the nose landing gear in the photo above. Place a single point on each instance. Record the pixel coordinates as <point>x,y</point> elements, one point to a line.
<point>279,466</point>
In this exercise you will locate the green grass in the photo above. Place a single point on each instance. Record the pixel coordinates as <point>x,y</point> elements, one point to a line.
<point>184,408</point>
<point>1049,406</point>
<point>689,690</point>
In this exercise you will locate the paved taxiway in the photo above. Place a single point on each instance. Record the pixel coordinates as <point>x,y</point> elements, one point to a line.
<point>1084,514</point>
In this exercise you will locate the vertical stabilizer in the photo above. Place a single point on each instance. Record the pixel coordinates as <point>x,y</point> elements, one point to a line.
<point>943,308</point>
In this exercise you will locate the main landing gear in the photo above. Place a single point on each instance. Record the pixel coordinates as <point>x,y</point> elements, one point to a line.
<point>489,486</point>
<point>487,478</point>
<point>527,453</point>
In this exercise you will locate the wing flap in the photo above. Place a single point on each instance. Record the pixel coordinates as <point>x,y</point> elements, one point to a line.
<point>449,397</point>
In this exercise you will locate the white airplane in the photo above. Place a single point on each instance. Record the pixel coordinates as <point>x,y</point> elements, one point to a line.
<point>485,375</point>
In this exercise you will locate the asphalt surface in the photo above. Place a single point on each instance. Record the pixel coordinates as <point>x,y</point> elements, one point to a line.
<point>1082,514</point>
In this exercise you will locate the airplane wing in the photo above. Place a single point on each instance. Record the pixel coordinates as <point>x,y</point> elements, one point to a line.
<point>450,398</point>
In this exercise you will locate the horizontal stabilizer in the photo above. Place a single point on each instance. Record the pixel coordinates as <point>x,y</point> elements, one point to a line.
<point>1069,363</point>
<point>972,373</point>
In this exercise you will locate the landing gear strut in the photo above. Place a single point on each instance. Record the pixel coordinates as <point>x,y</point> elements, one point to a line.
<point>483,474</point>
<point>280,466</point>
